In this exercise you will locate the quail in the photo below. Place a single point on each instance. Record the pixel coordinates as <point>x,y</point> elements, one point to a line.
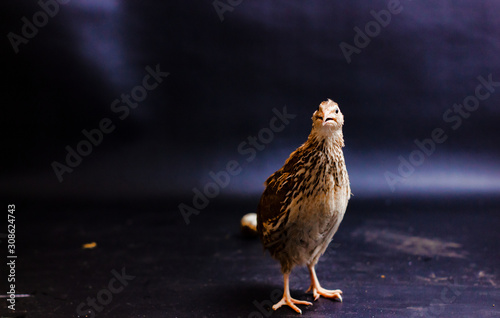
<point>304,202</point>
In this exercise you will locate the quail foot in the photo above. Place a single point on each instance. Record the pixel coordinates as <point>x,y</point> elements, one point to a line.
<point>305,201</point>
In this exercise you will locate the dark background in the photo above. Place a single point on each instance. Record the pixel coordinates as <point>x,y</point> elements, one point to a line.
<point>226,77</point>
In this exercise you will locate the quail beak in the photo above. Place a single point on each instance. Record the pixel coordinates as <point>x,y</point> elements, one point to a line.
<point>327,119</point>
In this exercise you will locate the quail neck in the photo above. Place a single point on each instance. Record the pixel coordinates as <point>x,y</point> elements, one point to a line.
<point>304,202</point>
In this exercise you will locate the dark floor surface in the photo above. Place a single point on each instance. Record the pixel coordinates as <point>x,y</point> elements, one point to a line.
<point>405,258</point>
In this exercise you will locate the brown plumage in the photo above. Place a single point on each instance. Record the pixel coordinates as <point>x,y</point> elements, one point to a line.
<point>305,201</point>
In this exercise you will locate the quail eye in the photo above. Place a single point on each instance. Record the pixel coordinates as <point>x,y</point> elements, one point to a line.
<point>336,111</point>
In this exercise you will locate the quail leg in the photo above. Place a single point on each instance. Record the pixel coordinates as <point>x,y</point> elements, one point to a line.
<point>317,290</point>
<point>288,300</point>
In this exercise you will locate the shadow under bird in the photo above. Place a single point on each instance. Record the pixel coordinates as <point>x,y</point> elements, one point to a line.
<point>304,203</point>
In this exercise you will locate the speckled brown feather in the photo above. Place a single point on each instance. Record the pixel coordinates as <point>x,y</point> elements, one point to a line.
<point>274,200</point>
<point>315,171</point>
<point>273,203</point>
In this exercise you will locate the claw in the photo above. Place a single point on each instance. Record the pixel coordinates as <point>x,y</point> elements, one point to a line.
<point>318,291</point>
<point>288,300</point>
